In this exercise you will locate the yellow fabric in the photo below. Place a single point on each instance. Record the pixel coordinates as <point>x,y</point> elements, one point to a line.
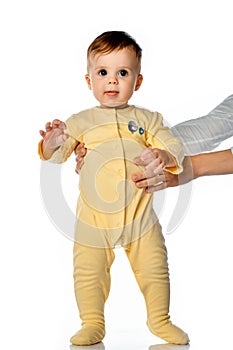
<point>110,209</point>
<point>148,259</point>
<point>92,286</point>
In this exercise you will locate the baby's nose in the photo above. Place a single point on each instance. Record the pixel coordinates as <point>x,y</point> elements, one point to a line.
<point>113,80</point>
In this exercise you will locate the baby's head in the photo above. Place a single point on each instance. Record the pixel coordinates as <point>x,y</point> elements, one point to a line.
<point>113,66</point>
<point>114,41</point>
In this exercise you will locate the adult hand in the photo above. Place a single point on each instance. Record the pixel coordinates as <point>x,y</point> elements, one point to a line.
<point>153,178</point>
<point>80,152</point>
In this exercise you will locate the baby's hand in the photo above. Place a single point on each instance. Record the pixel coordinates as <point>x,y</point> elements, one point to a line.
<point>155,159</point>
<point>53,137</point>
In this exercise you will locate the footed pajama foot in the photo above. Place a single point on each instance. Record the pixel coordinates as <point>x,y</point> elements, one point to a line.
<point>170,333</point>
<point>98,346</point>
<point>88,335</point>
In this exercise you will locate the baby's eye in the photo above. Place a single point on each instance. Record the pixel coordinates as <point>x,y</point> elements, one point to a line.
<point>102,72</point>
<point>123,73</point>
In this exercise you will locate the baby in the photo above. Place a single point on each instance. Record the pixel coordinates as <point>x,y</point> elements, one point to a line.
<point>111,210</point>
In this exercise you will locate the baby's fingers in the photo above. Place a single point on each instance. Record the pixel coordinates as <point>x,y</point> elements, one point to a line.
<point>56,123</point>
<point>48,127</point>
<point>42,133</point>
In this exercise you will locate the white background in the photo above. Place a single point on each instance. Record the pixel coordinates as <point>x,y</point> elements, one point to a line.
<point>187,68</point>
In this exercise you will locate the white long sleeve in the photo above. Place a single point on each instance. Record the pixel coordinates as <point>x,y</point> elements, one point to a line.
<point>206,133</point>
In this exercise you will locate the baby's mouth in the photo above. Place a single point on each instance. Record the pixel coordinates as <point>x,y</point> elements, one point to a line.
<point>111,93</point>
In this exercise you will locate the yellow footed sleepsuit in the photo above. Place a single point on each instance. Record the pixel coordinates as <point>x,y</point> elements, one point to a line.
<point>112,211</point>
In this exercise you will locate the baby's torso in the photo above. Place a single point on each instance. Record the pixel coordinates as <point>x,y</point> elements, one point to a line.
<point>113,138</point>
<point>108,197</point>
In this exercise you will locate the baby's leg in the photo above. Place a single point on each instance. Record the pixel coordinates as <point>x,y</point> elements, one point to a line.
<point>148,259</point>
<point>92,285</point>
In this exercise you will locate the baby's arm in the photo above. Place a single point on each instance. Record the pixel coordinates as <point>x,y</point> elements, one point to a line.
<point>168,149</point>
<point>53,137</point>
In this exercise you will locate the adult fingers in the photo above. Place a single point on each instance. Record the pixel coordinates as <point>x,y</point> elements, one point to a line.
<point>155,188</point>
<point>79,165</point>
<point>150,182</point>
<point>80,150</point>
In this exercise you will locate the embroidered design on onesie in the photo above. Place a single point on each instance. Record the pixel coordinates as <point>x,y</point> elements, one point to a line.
<point>133,127</point>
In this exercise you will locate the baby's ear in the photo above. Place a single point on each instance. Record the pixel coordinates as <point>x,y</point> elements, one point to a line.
<point>88,80</point>
<point>138,82</point>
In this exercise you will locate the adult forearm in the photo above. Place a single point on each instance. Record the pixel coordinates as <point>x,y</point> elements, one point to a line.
<point>206,133</point>
<point>214,163</point>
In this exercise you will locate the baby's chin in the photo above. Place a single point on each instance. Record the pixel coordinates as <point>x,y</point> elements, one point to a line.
<point>114,104</point>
